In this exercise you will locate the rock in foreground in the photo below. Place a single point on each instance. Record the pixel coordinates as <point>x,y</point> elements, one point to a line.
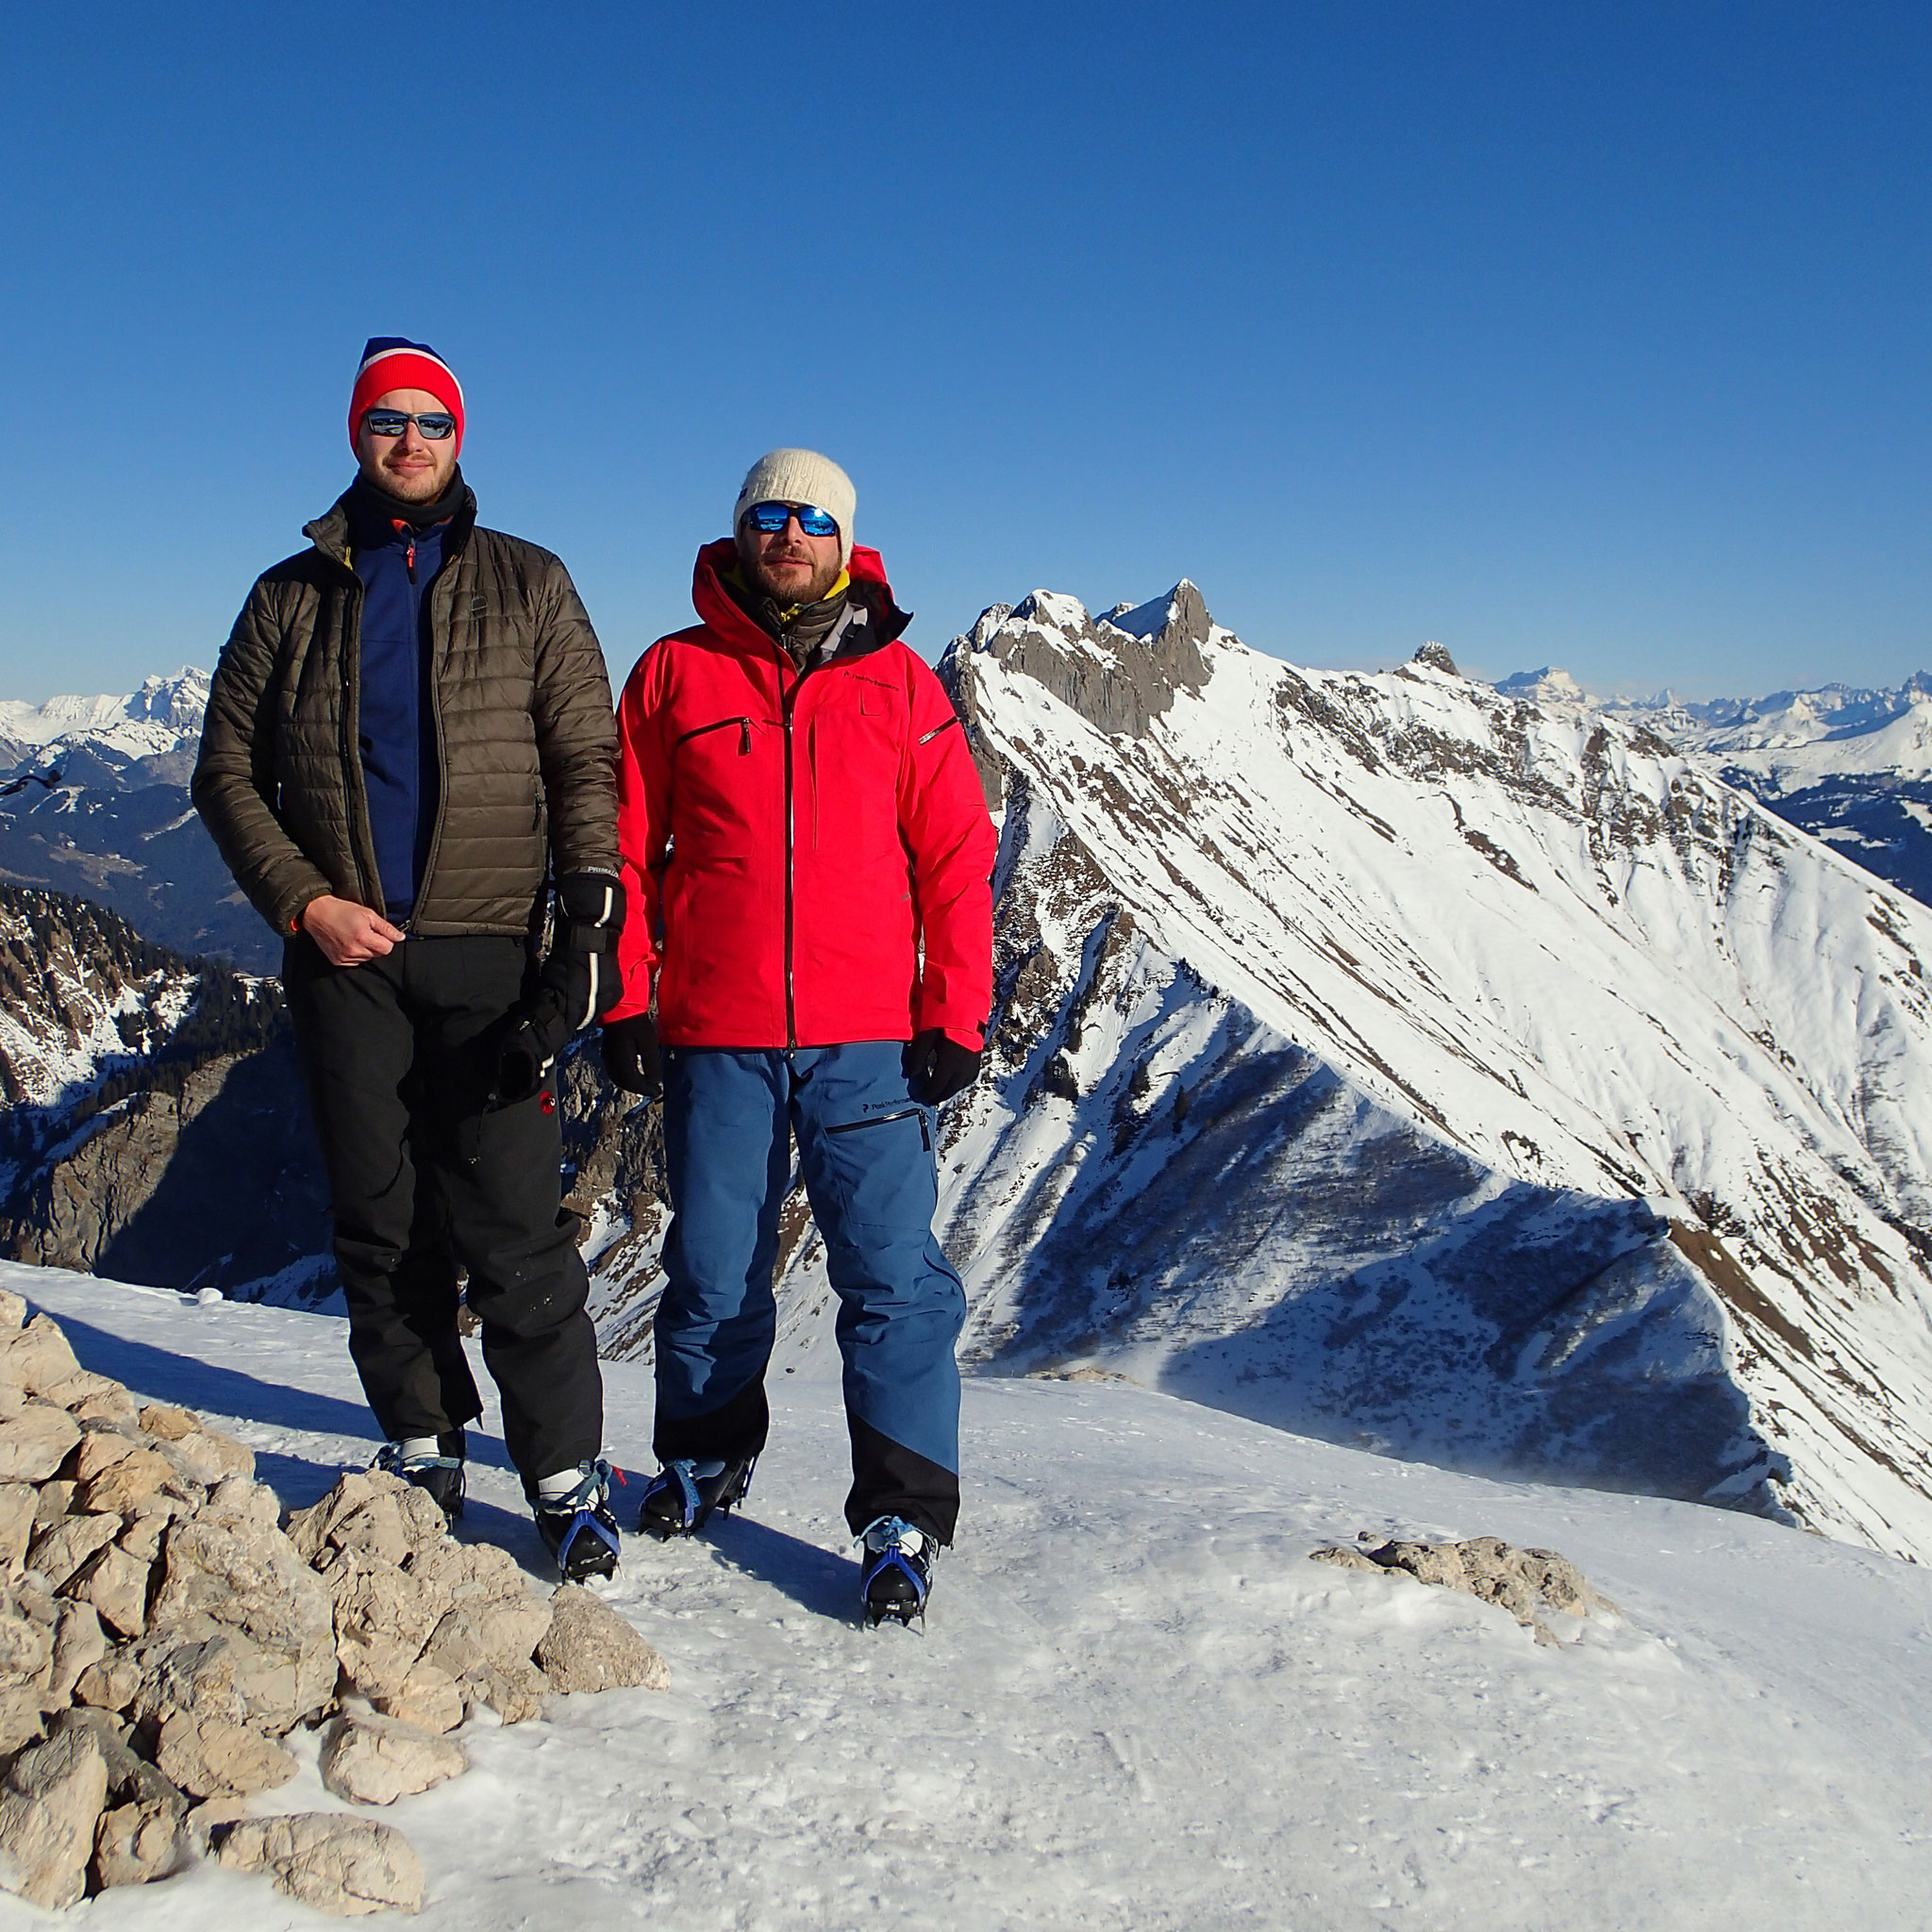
<point>1529,1584</point>
<point>348,1866</point>
<point>162,1630</point>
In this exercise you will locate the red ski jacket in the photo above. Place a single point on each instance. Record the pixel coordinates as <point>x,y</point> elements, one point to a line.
<point>808,858</point>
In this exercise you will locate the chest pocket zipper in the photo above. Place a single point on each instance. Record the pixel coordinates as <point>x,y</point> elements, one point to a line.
<point>722,725</point>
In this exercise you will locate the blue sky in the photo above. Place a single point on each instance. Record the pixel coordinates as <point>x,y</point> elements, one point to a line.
<point>1593,335</point>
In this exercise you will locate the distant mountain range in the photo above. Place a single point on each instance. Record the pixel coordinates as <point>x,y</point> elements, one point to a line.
<point>1852,766</point>
<point>93,801</point>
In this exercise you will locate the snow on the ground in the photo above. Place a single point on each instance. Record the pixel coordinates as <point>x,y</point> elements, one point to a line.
<point>1137,1705</point>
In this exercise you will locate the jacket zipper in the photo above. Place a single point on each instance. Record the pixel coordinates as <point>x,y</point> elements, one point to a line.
<point>351,699</point>
<point>879,1120</point>
<point>445,583</point>
<point>937,729</point>
<point>785,700</point>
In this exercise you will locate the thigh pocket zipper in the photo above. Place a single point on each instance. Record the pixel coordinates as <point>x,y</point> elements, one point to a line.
<point>879,1120</point>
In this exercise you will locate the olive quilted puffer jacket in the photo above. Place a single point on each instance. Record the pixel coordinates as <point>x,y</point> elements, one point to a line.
<point>525,736</point>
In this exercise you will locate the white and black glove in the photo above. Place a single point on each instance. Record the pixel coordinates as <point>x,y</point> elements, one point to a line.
<point>578,983</point>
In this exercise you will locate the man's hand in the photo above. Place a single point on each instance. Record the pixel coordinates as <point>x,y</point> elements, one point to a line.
<point>631,1057</point>
<point>348,933</point>
<point>937,1068</point>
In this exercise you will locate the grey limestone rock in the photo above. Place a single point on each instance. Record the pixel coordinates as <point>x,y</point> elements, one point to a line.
<point>35,1440</point>
<point>590,1647</point>
<point>53,1798</point>
<point>1529,1584</point>
<point>368,1510</point>
<point>502,1633</point>
<point>376,1760</point>
<point>344,1865</point>
<point>202,1453</point>
<point>118,1481</point>
<point>18,1501</point>
<point>114,1581</point>
<point>80,1641</point>
<point>203,1666</point>
<point>36,1358</point>
<point>242,1573</point>
<point>139,1835</point>
<point>427,1697</point>
<point>1121,674</point>
<point>22,1717</point>
<point>110,1683</point>
<point>515,1691</point>
<point>61,1548</point>
<point>208,1756</point>
<point>135,1843</point>
<point>26,1646</point>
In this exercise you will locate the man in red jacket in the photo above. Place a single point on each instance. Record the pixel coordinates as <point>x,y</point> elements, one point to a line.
<point>802,830</point>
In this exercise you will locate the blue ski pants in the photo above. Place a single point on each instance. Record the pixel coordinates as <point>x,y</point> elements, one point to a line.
<point>865,1148</point>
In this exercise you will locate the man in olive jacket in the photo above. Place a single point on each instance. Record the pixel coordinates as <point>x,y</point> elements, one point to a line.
<point>409,740</point>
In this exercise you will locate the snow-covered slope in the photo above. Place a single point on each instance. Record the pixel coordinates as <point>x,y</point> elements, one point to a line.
<point>1438,1069</point>
<point>1136,1704</point>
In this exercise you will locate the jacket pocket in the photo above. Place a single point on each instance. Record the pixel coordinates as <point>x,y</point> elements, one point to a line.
<point>743,725</point>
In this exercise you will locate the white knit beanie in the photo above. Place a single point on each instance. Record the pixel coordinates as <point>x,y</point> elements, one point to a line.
<point>802,476</point>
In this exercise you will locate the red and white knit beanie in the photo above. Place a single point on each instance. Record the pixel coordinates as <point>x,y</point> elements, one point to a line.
<point>391,363</point>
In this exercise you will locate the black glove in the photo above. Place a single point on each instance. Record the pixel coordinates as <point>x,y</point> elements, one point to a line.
<point>937,1068</point>
<point>630,1054</point>
<point>578,983</point>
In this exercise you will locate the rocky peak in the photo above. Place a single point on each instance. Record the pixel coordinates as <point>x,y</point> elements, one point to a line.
<point>1119,674</point>
<point>1435,656</point>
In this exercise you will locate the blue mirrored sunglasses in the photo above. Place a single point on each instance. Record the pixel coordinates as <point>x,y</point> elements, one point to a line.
<point>433,427</point>
<point>771,518</point>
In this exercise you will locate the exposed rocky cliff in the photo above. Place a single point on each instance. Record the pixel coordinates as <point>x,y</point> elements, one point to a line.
<point>156,1131</point>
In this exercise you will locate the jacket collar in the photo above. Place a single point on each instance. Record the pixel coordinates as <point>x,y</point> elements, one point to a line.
<point>721,614</point>
<point>329,532</point>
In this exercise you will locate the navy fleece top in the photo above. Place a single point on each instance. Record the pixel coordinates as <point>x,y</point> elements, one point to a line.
<point>397,728</point>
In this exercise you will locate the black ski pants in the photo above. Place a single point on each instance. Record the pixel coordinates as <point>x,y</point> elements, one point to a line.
<point>400,1059</point>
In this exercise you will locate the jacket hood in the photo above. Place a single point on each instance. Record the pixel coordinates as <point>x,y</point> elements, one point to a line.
<point>720,611</point>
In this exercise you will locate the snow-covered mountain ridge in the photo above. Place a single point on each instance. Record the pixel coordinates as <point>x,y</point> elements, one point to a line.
<point>1388,1056</point>
<point>115,732</point>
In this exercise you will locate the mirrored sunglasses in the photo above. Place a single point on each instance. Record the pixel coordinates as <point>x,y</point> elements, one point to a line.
<point>433,427</point>
<point>771,519</point>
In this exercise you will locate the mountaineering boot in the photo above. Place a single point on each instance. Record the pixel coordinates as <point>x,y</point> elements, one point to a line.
<point>896,1576</point>
<point>679,1499</point>
<point>434,1463</point>
<point>573,1518</point>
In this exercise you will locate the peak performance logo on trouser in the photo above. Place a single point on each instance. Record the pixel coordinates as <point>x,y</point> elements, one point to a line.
<point>865,1148</point>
